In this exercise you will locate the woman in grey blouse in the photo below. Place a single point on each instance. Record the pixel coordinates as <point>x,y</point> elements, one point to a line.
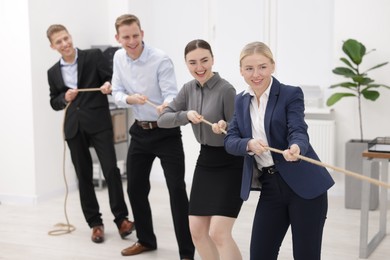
<point>215,194</point>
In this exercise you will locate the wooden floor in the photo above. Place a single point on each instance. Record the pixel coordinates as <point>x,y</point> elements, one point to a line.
<point>24,230</point>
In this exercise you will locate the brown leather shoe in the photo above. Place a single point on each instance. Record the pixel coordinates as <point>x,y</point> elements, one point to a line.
<point>135,249</point>
<point>98,234</point>
<point>127,227</point>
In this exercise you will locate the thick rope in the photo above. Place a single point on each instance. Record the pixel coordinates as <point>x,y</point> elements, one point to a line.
<point>325,165</point>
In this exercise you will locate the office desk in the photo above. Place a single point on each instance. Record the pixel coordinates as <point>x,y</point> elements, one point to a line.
<point>368,246</point>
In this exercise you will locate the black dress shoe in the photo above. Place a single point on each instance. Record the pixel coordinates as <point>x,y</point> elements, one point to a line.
<point>98,234</point>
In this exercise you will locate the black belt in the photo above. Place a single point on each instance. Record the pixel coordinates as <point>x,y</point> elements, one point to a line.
<point>147,125</point>
<point>269,169</point>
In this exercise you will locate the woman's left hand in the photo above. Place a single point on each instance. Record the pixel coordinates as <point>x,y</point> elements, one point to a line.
<point>220,127</point>
<point>292,153</point>
<point>161,107</point>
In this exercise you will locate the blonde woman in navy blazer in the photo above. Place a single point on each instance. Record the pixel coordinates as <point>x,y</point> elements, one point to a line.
<point>292,192</point>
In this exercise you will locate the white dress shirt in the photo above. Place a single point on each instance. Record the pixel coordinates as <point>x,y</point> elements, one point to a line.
<point>257,112</point>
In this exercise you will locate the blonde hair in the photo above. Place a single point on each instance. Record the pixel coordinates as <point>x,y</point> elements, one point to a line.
<point>126,19</point>
<point>54,28</point>
<point>256,48</point>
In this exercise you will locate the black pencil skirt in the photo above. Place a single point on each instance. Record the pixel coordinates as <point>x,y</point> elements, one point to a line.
<point>216,183</point>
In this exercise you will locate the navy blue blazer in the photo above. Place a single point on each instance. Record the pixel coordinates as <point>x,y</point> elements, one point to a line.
<point>284,125</point>
<point>90,110</point>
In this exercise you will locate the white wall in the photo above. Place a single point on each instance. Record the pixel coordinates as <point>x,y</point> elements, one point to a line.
<point>304,42</point>
<point>305,36</point>
<point>17,161</point>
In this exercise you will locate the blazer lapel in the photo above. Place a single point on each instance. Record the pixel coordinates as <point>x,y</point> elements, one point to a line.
<point>247,115</point>
<point>272,100</point>
<point>80,66</point>
<point>58,75</point>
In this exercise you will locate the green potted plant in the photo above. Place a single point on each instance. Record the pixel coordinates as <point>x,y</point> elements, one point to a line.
<point>358,85</point>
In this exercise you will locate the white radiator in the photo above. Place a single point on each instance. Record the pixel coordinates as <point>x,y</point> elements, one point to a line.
<point>322,138</point>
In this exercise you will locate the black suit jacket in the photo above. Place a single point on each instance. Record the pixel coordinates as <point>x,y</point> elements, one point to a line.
<point>90,110</point>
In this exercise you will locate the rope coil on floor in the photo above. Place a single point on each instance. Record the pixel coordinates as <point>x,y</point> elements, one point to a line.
<point>64,228</point>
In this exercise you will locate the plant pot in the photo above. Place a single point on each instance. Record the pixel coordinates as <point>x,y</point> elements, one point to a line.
<point>353,186</point>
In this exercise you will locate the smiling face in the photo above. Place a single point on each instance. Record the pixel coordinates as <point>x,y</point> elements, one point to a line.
<point>257,71</point>
<point>257,66</point>
<point>130,36</point>
<point>61,41</point>
<point>199,63</point>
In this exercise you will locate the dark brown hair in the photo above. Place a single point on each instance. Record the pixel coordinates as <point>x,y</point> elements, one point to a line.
<point>195,44</point>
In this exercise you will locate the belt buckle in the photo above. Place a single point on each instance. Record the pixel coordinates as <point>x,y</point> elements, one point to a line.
<point>143,125</point>
<point>270,170</point>
<point>150,125</point>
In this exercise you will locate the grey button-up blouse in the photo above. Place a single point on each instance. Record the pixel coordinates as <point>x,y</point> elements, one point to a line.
<point>215,101</point>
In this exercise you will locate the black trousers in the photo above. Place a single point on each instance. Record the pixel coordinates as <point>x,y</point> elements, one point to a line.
<point>277,209</point>
<point>145,146</point>
<point>82,161</point>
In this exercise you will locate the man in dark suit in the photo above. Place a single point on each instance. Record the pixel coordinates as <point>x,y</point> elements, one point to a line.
<point>87,123</point>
